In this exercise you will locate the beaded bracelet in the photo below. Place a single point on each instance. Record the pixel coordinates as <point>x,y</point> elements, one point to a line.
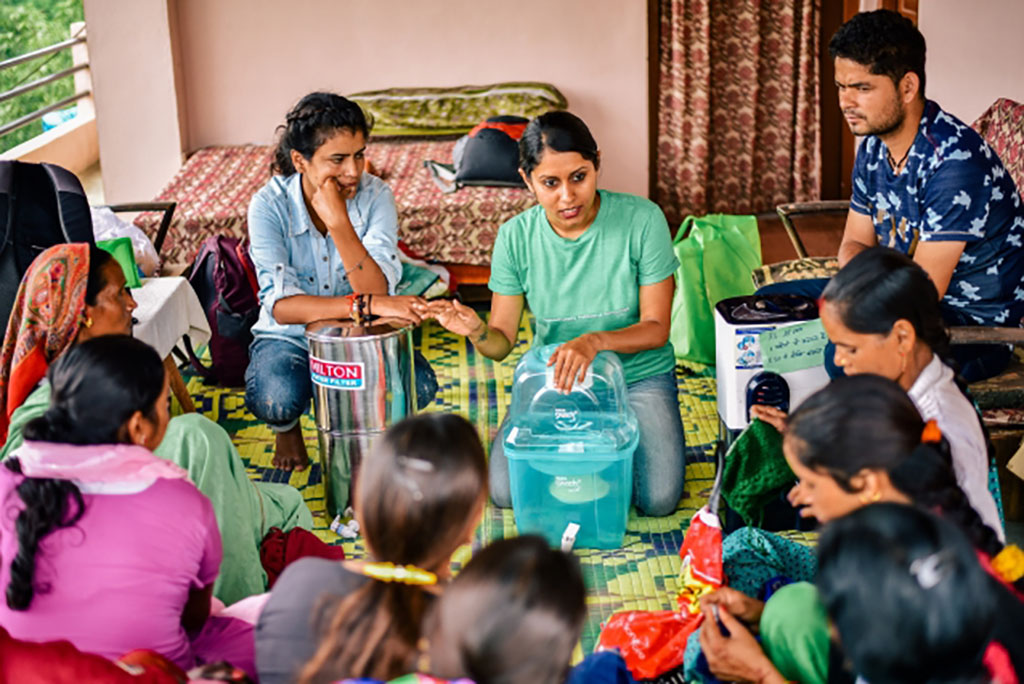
<point>352,305</point>
<point>361,312</point>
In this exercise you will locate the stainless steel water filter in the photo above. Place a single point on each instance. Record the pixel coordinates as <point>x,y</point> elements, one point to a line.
<point>362,383</point>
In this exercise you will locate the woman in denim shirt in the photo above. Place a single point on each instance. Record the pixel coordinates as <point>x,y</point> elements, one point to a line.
<point>320,229</point>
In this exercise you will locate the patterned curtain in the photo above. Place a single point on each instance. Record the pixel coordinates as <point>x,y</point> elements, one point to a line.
<point>738,128</point>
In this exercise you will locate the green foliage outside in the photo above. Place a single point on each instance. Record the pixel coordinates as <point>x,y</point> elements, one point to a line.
<point>27,25</point>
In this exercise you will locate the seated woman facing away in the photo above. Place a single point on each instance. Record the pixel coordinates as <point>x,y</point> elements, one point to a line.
<point>325,245</point>
<point>512,616</point>
<point>882,313</point>
<point>72,293</point>
<point>596,268</point>
<point>102,543</point>
<point>419,496</point>
<point>910,603</point>
<point>858,441</point>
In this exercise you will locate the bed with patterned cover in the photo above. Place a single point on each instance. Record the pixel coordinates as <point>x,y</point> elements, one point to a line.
<point>214,186</point>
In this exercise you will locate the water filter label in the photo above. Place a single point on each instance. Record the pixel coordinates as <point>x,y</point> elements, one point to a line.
<point>568,485</point>
<point>747,347</point>
<point>337,374</point>
<point>567,416</point>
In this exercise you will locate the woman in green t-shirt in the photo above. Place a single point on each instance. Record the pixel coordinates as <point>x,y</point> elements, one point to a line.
<point>596,268</point>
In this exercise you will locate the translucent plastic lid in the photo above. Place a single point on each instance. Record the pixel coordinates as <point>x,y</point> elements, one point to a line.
<point>594,418</point>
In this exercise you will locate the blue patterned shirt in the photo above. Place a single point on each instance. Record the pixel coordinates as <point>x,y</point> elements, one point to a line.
<point>953,188</point>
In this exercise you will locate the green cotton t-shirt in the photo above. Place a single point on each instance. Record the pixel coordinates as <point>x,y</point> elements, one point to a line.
<point>591,283</point>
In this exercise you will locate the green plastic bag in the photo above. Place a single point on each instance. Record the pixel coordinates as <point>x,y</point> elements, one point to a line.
<point>122,251</point>
<point>716,255</point>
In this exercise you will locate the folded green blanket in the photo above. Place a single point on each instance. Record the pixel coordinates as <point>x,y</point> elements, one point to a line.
<point>446,111</point>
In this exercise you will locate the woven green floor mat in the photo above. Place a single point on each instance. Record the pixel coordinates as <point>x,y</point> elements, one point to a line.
<point>641,574</point>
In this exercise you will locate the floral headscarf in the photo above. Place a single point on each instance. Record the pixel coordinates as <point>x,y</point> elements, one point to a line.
<point>47,315</point>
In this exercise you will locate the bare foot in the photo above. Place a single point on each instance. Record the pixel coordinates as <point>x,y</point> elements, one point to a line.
<point>290,450</point>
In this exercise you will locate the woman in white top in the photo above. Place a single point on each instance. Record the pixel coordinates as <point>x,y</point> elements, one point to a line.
<point>882,313</point>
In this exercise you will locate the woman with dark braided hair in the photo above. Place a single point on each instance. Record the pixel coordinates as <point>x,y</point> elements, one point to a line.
<point>324,239</point>
<point>75,292</point>
<point>102,542</point>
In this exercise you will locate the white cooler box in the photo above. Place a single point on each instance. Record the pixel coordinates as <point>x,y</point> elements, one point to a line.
<point>739,321</point>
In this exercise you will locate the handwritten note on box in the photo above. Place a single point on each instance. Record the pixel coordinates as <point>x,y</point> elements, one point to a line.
<point>794,347</point>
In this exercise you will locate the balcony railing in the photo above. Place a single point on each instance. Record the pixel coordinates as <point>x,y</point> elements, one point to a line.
<point>7,127</point>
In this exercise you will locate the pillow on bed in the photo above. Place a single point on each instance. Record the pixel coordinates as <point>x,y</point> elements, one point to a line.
<point>453,111</point>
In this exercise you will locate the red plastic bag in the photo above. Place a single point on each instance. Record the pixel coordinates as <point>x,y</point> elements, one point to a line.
<point>653,642</point>
<point>701,572</point>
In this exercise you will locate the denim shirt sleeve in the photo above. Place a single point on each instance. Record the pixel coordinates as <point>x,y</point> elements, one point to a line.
<point>268,247</point>
<point>381,236</point>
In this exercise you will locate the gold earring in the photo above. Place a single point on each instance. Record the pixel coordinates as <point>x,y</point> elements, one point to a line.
<point>87,322</point>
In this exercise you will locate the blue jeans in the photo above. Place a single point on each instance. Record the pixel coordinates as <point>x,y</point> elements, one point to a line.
<point>976,361</point>
<point>659,462</point>
<point>278,388</point>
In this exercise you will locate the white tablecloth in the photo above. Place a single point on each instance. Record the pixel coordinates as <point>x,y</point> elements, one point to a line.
<point>168,309</point>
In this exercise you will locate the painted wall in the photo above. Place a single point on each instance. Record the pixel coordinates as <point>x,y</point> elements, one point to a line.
<point>245,62</point>
<point>135,95</point>
<point>975,53</point>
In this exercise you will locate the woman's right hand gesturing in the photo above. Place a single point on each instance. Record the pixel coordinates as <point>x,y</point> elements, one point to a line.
<point>456,317</point>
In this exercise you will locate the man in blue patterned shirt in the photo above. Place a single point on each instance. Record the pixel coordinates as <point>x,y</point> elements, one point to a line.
<point>927,184</point>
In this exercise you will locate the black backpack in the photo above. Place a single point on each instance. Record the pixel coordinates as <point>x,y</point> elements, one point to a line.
<point>41,205</point>
<point>487,155</point>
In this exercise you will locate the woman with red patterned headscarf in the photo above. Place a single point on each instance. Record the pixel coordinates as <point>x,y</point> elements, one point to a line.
<point>70,293</point>
<point>74,292</point>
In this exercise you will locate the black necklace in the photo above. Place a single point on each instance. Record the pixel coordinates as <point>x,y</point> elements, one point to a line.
<point>897,165</point>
